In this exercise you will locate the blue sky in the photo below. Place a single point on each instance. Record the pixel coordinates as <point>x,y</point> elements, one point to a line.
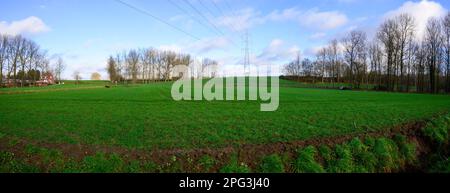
<point>86,32</point>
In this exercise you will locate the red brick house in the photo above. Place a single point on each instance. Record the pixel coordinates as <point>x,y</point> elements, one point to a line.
<point>46,79</point>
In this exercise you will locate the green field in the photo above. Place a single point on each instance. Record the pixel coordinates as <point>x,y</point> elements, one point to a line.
<point>68,85</point>
<point>146,117</point>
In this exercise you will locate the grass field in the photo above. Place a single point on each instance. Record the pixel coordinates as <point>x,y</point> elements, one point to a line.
<point>146,117</point>
<point>68,85</point>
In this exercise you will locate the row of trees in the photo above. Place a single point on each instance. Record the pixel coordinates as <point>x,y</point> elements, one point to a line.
<point>397,59</point>
<point>23,62</point>
<point>147,65</point>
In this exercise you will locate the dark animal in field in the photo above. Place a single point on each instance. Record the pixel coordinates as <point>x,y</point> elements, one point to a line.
<point>345,88</point>
<point>106,86</point>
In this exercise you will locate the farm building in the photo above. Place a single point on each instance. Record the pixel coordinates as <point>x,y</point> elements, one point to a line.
<point>47,79</point>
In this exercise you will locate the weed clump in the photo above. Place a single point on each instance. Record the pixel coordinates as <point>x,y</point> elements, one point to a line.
<point>364,160</point>
<point>306,163</point>
<point>344,160</point>
<point>272,164</point>
<point>206,163</point>
<point>438,130</point>
<point>387,155</point>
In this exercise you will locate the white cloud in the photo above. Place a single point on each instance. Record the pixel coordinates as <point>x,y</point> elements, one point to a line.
<point>421,11</point>
<point>269,60</point>
<point>201,47</point>
<point>318,35</point>
<point>210,44</point>
<point>277,51</point>
<point>323,20</point>
<point>313,18</point>
<point>30,25</point>
<point>241,20</point>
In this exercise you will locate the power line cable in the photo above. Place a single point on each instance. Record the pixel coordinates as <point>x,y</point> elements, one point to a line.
<point>223,14</point>
<point>206,18</point>
<point>229,7</point>
<point>156,18</point>
<point>187,13</point>
<point>217,7</point>
<point>203,16</point>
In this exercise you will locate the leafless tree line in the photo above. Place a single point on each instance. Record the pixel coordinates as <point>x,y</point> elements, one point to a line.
<point>23,62</point>
<point>395,60</point>
<point>150,65</point>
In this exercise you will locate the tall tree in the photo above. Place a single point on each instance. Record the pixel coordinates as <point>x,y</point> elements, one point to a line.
<point>334,58</point>
<point>433,43</point>
<point>112,70</point>
<point>4,46</point>
<point>59,68</point>
<point>405,32</point>
<point>376,60</point>
<point>387,35</point>
<point>354,51</point>
<point>77,77</point>
<point>446,33</point>
<point>133,65</point>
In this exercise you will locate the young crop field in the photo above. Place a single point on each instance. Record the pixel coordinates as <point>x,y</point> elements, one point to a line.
<point>87,120</point>
<point>223,96</point>
<point>145,118</point>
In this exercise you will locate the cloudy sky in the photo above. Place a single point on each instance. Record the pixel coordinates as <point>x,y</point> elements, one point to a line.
<point>86,32</point>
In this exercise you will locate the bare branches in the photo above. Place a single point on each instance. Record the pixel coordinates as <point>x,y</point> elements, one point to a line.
<point>146,65</point>
<point>395,60</point>
<point>21,61</point>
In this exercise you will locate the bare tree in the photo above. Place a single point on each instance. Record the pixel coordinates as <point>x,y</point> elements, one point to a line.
<point>334,59</point>
<point>405,32</point>
<point>376,60</point>
<point>354,52</point>
<point>77,77</point>
<point>59,68</point>
<point>4,46</point>
<point>446,33</point>
<point>388,36</point>
<point>433,43</point>
<point>294,68</point>
<point>132,61</point>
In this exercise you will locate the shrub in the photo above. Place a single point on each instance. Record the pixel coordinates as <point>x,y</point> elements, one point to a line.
<point>437,130</point>
<point>272,164</point>
<point>306,163</point>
